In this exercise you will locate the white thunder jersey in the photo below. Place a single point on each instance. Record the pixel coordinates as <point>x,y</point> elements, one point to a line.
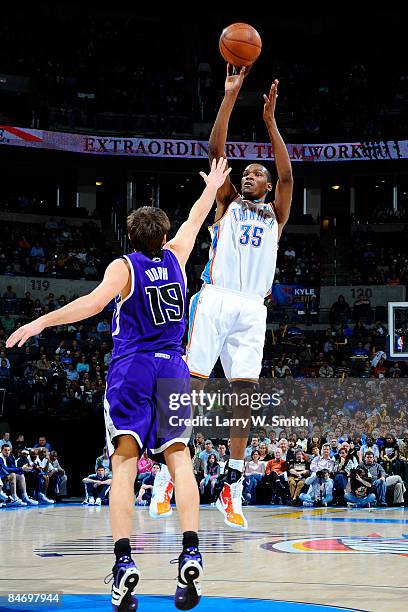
<point>244,247</point>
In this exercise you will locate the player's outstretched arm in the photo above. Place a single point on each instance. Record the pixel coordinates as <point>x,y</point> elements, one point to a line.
<point>218,136</point>
<point>115,280</point>
<point>284,186</point>
<point>183,242</point>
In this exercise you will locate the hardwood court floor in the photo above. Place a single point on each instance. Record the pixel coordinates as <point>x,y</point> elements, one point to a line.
<point>350,558</point>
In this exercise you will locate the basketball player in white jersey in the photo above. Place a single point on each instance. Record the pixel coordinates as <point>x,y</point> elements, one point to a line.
<point>228,316</point>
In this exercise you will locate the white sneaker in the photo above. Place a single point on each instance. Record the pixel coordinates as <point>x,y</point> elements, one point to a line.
<point>161,495</point>
<point>98,501</point>
<point>91,501</point>
<point>44,499</point>
<point>85,502</point>
<point>29,501</point>
<point>3,496</point>
<point>229,504</point>
<point>18,502</point>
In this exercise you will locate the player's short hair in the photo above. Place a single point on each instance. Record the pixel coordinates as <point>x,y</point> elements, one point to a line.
<point>268,174</point>
<point>147,227</point>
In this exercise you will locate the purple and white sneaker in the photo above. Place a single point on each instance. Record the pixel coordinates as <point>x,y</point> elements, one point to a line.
<point>188,592</point>
<point>125,577</point>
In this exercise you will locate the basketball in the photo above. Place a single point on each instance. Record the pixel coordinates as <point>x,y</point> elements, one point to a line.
<point>240,44</point>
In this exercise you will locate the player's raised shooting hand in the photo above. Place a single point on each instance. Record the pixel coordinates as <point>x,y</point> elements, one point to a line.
<point>22,334</point>
<point>270,103</point>
<point>235,78</point>
<point>218,173</point>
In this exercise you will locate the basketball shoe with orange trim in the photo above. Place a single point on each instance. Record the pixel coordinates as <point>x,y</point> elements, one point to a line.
<point>229,504</point>
<point>161,496</point>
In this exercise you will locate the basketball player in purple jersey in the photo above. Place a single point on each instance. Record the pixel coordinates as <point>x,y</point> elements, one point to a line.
<point>149,287</point>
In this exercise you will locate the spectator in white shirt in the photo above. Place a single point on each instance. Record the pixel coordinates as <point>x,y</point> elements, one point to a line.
<point>324,462</point>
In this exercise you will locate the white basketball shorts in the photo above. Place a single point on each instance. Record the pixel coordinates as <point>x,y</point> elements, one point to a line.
<point>226,324</point>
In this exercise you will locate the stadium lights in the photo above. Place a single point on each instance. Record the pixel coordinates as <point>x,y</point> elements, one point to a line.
<point>99,183</point>
<point>335,187</point>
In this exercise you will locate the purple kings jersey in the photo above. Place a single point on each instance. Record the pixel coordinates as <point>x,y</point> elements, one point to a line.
<point>151,317</point>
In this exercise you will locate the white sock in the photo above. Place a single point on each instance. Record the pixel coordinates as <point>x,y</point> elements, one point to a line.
<point>236,464</point>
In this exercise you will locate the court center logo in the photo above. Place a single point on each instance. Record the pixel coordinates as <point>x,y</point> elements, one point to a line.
<point>347,545</point>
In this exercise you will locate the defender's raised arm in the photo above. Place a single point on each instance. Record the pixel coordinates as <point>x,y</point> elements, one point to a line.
<point>183,242</point>
<point>115,279</point>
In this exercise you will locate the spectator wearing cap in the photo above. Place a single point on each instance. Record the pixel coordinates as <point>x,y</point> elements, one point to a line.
<point>362,490</point>
<point>208,450</point>
<point>66,359</point>
<point>71,372</point>
<point>320,490</point>
<point>369,444</point>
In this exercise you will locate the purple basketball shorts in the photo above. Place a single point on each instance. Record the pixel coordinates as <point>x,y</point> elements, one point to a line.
<point>147,396</point>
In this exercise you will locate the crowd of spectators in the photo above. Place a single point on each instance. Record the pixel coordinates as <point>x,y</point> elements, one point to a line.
<point>30,475</point>
<point>379,258</point>
<point>339,379</point>
<point>62,372</point>
<point>53,249</point>
<point>318,466</point>
<point>384,214</point>
<point>316,469</point>
<point>96,79</point>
